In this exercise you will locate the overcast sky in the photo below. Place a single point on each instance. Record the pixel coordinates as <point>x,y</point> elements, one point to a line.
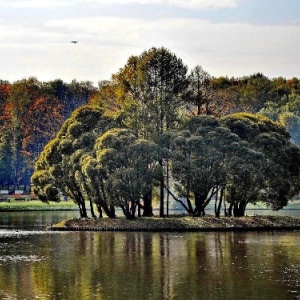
<point>225,37</point>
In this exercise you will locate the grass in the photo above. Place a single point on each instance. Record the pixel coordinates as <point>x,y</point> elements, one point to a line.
<point>15,205</point>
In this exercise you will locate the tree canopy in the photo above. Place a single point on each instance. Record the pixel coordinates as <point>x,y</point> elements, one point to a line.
<point>129,168</point>
<point>58,168</point>
<point>280,169</point>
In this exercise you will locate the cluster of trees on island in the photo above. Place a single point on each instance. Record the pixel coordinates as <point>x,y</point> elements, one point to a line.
<point>156,130</point>
<point>153,102</point>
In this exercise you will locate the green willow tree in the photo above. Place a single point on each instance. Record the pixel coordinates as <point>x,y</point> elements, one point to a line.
<point>128,167</point>
<point>94,185</point>
<point>203,159</point>
<point>281,167</point>
<point>244,180</point>
<point>242,158</point>
<point>59,167</point>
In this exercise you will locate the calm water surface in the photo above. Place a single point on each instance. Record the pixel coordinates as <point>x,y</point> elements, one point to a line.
<point>36,264</point>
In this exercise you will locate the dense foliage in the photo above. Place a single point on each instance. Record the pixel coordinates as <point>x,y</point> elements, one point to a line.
<point>58,169</point>
<point>154,129</point>
<point>31,112</point>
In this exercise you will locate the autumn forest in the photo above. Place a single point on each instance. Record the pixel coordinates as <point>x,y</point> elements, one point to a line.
<point>31,112</point>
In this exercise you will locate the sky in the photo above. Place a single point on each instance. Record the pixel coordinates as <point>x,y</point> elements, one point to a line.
<point>226,37</point>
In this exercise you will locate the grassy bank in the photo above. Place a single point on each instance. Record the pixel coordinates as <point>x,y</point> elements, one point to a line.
<point>15,205</point>
<point>182,223</point>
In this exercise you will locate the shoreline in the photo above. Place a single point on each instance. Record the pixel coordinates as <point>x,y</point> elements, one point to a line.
<point>181,224</point>
<point>37,209</point>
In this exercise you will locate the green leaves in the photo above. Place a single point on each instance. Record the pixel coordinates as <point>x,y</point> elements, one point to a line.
<point>128,166</point>
<point>247,155</point>
<point>61,158</point>
<point>148,92</point>
<point>199,160</point>
<point>272,141</point>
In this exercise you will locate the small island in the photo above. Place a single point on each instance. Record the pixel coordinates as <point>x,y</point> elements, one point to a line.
<point>158,135</point>
<point>154,136</point>
<point>180,224</point>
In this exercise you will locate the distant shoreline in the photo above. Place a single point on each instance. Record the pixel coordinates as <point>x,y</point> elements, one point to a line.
<point>37,205</point>
<point>181,224</point>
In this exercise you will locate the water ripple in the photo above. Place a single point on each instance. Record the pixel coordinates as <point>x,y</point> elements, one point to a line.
<point>21,258</point>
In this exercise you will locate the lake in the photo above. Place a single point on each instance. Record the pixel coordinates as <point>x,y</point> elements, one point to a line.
<point>36,264</point>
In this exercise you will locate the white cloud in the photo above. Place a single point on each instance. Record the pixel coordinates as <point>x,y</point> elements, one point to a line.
<point>192,4</point>
<point>37,3</point>
<point>235,38</point>
<point>235,46</point>
<point>106,43</point>
<point>203,4</point>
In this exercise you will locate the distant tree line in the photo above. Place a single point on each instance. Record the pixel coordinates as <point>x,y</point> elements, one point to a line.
<point>156,128</point>
<point>31,112</point>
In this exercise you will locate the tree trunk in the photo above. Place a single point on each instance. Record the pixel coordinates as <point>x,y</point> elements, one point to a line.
<point>239,209</point>
<point>161,195</point>
<point>148,209</point>
<point>109,210</point>
<point>112,211</point>
<point>242,208</point>
<point>99,208</point>
<point>84,213</point>
<point>77,196</point>
<point>82,209</point>
<point>139,208</point>
<point>133,209</point>
<point>189,205</point>
<point>230,209</point>
<point>199,205</point>
<point>92,210</point>
<point>218,210</point>
<point>127,212</point>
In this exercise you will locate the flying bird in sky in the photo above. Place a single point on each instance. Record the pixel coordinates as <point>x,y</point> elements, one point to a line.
<point>74,42</point>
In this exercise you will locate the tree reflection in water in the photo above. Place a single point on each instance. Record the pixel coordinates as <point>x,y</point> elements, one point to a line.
<point>135,265</point>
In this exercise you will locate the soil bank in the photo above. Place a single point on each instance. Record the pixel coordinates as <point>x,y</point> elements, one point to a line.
<point>181,223</point>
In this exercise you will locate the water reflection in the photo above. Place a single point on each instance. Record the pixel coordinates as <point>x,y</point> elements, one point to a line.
<point>32,219</point>
<point>111,265</point>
